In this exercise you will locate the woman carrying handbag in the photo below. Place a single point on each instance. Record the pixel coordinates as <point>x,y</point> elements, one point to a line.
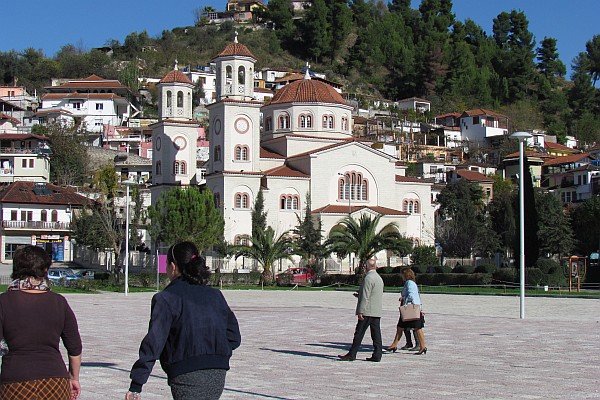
<point>409,300</point>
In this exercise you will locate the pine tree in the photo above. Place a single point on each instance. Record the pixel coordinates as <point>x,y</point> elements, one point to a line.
<point>259,216</point>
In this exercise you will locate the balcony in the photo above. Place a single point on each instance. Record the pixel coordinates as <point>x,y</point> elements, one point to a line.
<point>39,225</point>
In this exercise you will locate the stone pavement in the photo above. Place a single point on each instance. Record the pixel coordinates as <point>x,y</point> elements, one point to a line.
<point>478,348</point>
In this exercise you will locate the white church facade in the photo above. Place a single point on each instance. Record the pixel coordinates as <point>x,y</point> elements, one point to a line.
<point>300,142</point>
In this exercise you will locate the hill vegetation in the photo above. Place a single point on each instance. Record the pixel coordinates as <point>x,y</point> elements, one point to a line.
<point>376,51</point>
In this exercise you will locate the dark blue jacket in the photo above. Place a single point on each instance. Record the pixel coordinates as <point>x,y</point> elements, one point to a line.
<point>191,328</point>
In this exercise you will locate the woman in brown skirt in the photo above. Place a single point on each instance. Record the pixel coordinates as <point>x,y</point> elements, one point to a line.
<point>32,321</point>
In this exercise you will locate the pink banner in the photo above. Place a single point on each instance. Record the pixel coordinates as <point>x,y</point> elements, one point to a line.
<point>162,263</point>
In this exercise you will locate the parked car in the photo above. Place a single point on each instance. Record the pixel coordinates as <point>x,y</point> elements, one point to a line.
<point>59,276</point>
<point>295,275</point>
<point>85,274</point>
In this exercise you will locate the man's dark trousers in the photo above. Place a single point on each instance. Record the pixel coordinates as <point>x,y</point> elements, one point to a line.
<point>359,334</point>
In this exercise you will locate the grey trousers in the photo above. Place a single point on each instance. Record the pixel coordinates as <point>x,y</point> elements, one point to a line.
<point>204,384</point>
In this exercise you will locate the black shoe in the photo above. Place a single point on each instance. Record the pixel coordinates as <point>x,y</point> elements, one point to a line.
<point>407,347</point>
<point>416,348</point>
<point>346,357</point>
<point>373,359</point>
<point>390,350</point>
<point>423,352</point>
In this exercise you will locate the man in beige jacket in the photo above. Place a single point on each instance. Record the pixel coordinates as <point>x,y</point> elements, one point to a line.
<point>368,310</point>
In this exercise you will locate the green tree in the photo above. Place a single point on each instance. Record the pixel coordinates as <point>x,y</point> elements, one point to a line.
<point>461,216</point>
<point>362,238</point>
<point>308,237</point>
<point>259,215</point>
<point>592,48</point>
<point>281,15</point>
<point>424,256</point>
<point>584,219</point>
<point>340,21</point>
<point>266,248</point>
<point>186,214</point>
<point>316,30</point>
<point>68,162</point>
<point>555,233</point>
<point>548,62</point>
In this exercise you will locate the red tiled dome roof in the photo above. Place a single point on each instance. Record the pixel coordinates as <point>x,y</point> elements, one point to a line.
<point>176,76</point>
<point>236,49</point>
<point>307,91</point>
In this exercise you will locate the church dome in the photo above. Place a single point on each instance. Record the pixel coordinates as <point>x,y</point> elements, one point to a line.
<point>236,49</point>
<point>176,76</point>
<point>308,91</point>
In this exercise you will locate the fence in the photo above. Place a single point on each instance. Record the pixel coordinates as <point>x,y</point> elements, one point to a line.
<point>106,260</point>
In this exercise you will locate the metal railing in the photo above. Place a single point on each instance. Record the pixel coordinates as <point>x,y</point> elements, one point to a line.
<point>62,226</point>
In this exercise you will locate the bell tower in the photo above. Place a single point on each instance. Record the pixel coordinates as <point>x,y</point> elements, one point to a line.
<point>235,72</point>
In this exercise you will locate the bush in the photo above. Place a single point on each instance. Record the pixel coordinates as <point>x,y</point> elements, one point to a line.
<point>535,276</point>
<point>547,265</point>
<point>464,269</point>
<point>342,279</point>
<point>506,275</point>
<point>101,276</point>
<point>385,270</point>
<point>442,269</point>
<point>485,269</point>
<point>392,280</point>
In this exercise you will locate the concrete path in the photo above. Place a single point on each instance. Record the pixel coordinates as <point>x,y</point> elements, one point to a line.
<point>478,348</point>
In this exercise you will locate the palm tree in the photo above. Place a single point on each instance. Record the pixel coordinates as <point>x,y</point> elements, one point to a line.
<point>361,238</point>
<point>265,248</point>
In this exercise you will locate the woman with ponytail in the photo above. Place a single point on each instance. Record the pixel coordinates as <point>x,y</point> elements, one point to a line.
<point>192,331</point>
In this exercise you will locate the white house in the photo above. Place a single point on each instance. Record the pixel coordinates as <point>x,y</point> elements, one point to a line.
<point>480,125</point>
<point>40,214</point>
<point>93,101</point>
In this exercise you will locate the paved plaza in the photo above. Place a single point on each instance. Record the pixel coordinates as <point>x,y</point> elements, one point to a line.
<point>478,348</point>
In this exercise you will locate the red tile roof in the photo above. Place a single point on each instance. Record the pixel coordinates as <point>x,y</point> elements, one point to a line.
<point>473,175</point>
<point>92,81</point>
<point>176,76</point>
<point>401,178</point>
<point>77,95</point>
<point>286,171</point>
<point>343,209</point>
<point>264,153</point>
<point>22,192</point>
<point>481,111</point>
<point>8,117</point>
<point>21,136</point>
<point>558,146</point>
<point>452,114</point>
<point>566,159</point>
<point>307,91</point>
<point>236,49</point>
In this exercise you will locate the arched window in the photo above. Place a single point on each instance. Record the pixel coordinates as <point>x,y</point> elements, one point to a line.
<point>289,202</point>
<point>284,121</point>
<point>158,168</point>
<point>344,123</point>
<point>240,240</point>
<point>305,121</point>
<point>217,153</point>
<point>268,124</point>
<point>179,168</point>
<point>44,217</point>
<point>217,197</point>
<point>241,153</point>
<point>353,186</point>
<point>54,216</point>
<point>242,200</point>
<point>180,99</point>
<point>228,72</point>
<point>328,121</point>
<point>241,75</point>
<point>411,206</point>
<point>169,99</point>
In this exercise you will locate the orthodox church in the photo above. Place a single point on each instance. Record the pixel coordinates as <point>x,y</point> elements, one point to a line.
<point>300,142</point>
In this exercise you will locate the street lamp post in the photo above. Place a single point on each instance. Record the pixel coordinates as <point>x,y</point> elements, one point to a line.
<point>522,137</point>
<point>127,183</point>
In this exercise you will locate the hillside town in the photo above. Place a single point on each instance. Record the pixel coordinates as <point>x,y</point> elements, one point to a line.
<point>294,135</point>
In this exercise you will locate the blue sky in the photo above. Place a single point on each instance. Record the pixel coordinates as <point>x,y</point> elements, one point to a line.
<point>49,25</point>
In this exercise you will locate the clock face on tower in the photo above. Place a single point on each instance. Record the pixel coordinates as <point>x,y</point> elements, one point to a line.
<point>217,126</point>
<point>179,142</point>
<point>241,125</point>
